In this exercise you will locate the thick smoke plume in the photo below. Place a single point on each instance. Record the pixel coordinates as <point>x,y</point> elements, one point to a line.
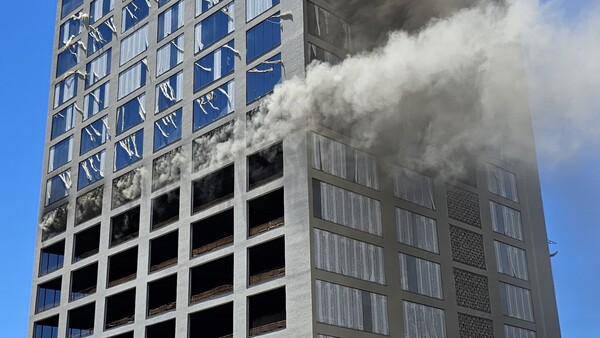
<point>127,187</point>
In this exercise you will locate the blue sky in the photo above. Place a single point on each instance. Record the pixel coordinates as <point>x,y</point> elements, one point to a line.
<point>570,190</point>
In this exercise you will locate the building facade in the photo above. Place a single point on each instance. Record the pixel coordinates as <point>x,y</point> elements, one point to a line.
<point>144,235</point>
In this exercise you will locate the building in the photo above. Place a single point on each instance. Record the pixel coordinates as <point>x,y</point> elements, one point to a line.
<point>143,236</point>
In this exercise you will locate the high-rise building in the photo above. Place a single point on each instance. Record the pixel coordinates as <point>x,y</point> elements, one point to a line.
<point>143,235</point>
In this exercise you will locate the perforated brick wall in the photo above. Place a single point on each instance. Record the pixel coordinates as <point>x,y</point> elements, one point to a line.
<point>471,290</point>
<point>463,205</point>
<point>467,247</point>
<point>474,327</point>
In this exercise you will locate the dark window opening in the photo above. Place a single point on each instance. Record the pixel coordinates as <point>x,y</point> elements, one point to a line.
<point>124,335</point>
<point>81,321</point>
<point>211,279</point>
<point>163,251</point>
<point>84,282</point>
<point>165,209</point>
<point>213,188</point>
<point>162,295</point>
<point>122,267</point>
<point>216,322</point>
<point>265,165</point>
<point>120,309</point>
<point>87,243</point>
<point>46,328</point>
<point>266,261</point>
<point>52,258</point>
<point>212,233</point>
<point>265,212</point>
<point>48,295</point>
<point>54,222</point>
<point>161,330</point>
<point>266,311</point>
<point>125,226</point>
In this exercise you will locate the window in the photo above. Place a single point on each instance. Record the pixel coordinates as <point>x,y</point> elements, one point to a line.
<point>423,321</point>
<point>420,276</point>
<point>100,8</point>
<point>261,80</point>
<point>164,329</point>
<point>214,27</point>
<point>133,45</point>
<point>265,165</point>
<point>65,90</point>
<point>84,282</point>
<point>86,243</point>
<point>517,332</point>
<point>122,267</point>
<point>120,309</point>
<point>169,55</point>
<point>67,59</point>
<point>68,6</point>
<point>131,114</point>
<point>167,130</point>
<point>416,230</point>
<point>124,226</point>
<point>162,295</point>
<point>171,20</point>
<point>503,183</point>
<point>99,36</point>
<point>134,12</point>
<point>68,31</point>
<point>267,312</point>
<point>346,208</point>
<point>52,258</point>
<point>266,212</point>
<point>80,321</point>
<point>212,233</point>
<point>169,92</point>
<point>318,53</point>
<point>214,105</point>
<point>58,187</point>
<point>213,188</point>
<point>214,66</point>
<point>96,101</point>
<point>46,328</point>
<point>166,169</point>
<point>94,135</point>
<point>506,220</point>
<point>98,68</point>
<point>89,205</point>
<point>414,187</point>
<point>263,37</point>
<point>204,5</point>
<point>126,188</point>
<point>511,260</point>
<point>54,222</point>
<point>163,251</point>
<point>60,154</point>
<point>203,146</point>
<point>255,8</point>
<point>329,27</point>
<point>516,302</point>
<point>213,322</point>
<point>91,170</point>
<point>369,309</point>
<point>165,209</point>
<point>129,150</point>
<point>211,279</point>
<point>132,78</point>
<point>343,161</point>
<point>62,122</point>
<point>331,253</point>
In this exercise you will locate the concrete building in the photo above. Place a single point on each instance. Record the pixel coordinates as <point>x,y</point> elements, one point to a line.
<point>144,236</point>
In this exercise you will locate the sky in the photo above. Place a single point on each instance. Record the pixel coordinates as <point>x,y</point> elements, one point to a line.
<point>570,189</point>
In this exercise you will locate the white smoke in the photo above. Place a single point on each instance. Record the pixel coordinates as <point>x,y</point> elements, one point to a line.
<point>127,187</point>
<point>89,205</point>
<point>167,168</point>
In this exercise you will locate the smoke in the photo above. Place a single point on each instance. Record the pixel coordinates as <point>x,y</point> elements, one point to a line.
<point>89,205</point>
<point>167,168</point>
<point>127,187</point>
<point>54,221</point>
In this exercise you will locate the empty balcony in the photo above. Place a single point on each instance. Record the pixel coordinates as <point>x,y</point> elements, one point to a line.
<point>216,322</point>
<point>211,279</point>
<point>87,243</point>
<point>212,233</point>
<point>163,251</point>
<point>52,258</point>
<point>84,282</point>
<point>48,295</point>
<point>213,188</point>
<point>266,261</point>
<point>265,212</point>
<point>161,330</point>
<point>265,165</point>
<point>122,267</point>
<point>162,295</point>
<point>125,226</point>
<point>46,328</point>
<point>266,312</point>
<point>165,209</point>
<point>120,309</point>
<point>80,322</point>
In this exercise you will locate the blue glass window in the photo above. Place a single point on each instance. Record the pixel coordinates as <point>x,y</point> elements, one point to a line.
<point>204,5</point>
<point>169,55</point>
<point>167,130</point>
<point>58,187</point>
<point>47,328</point>
<point>94,135</point>
<point>65,90</point>
<point>62,122</point>
<point>261,79</point>
<point>214,105</point>
<point>60,153</point>
<point>98,37</point>
<point>214,28</point>
<point>52,257</point>
<point>70,29</point>
<point>98,68</point>
<point>162,2</point>
<point>129,150</point>
<point>131,114</point>
<point>48,295</point>
<point>255,8</point>
<point>171,20</point>
<point>100,8</point>
<point>67,59</point>
<point>96,100</point>
<point>214,66</point>
<point>133,45</point>
<point>169,92</point>
<point>132,78</point>
<point>134,12</point>
<point>91,170</point>
<point>262,38</point>
<point>68,6</point>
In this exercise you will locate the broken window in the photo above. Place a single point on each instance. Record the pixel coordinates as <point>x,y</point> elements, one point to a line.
<point>48,295</point>
<point>265,212</point>
<point>52,258</point>
<point>215,322</point>
<point>263,37</point>
<point>120,309</point>
<point>58,187</point>
<point>131,114</point>
<point>165,209</point>
<point>98,68</point>
<point>94,135</point>
<point>262,79</point>
<point>169,92</point>
<point>214,28</point>
<point>163,251</point>
<point>129,150</point>
<point>169,55</point>
<point>134,44</point>
<point>414,187</point>
<point>214,105</point>
<point>132,78</point>
<point>203,146</point>
<point>213,188</point>
<point>68,6</point>
<point>166,169</point>
<point>134,12</point>
<point>89,205</point>
<point>122,267</point>
<point>167,129</point>
<point>81,321</point>
<point>91,170</point>
<point>54,222</point>
<point>266,261</point>
<point>125,226</point>
<point>62,122</point>
<point>265,165</point>
<point>502,183</point>
<point>46,328</point>
<point>68,31</point>
<point>162,295</point>
<point>84,282</point>
<point>161,330</point>
<point>96,101</point>
<point>100,8</point>
<point>127,187</point>
<point>67,59</point>
<point>171,20</point>
<point>214,66</point>
<point>266,312</point>
<point>211,279</point>
<point>60,153</point>
<point>99,36</point>
<point>87,243</point>
<point>255,8</point>
<point>416,230</point>
<point>317,53</point>
<point>65,90</point>
<point>212,233</point>
<point>329,27</point>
